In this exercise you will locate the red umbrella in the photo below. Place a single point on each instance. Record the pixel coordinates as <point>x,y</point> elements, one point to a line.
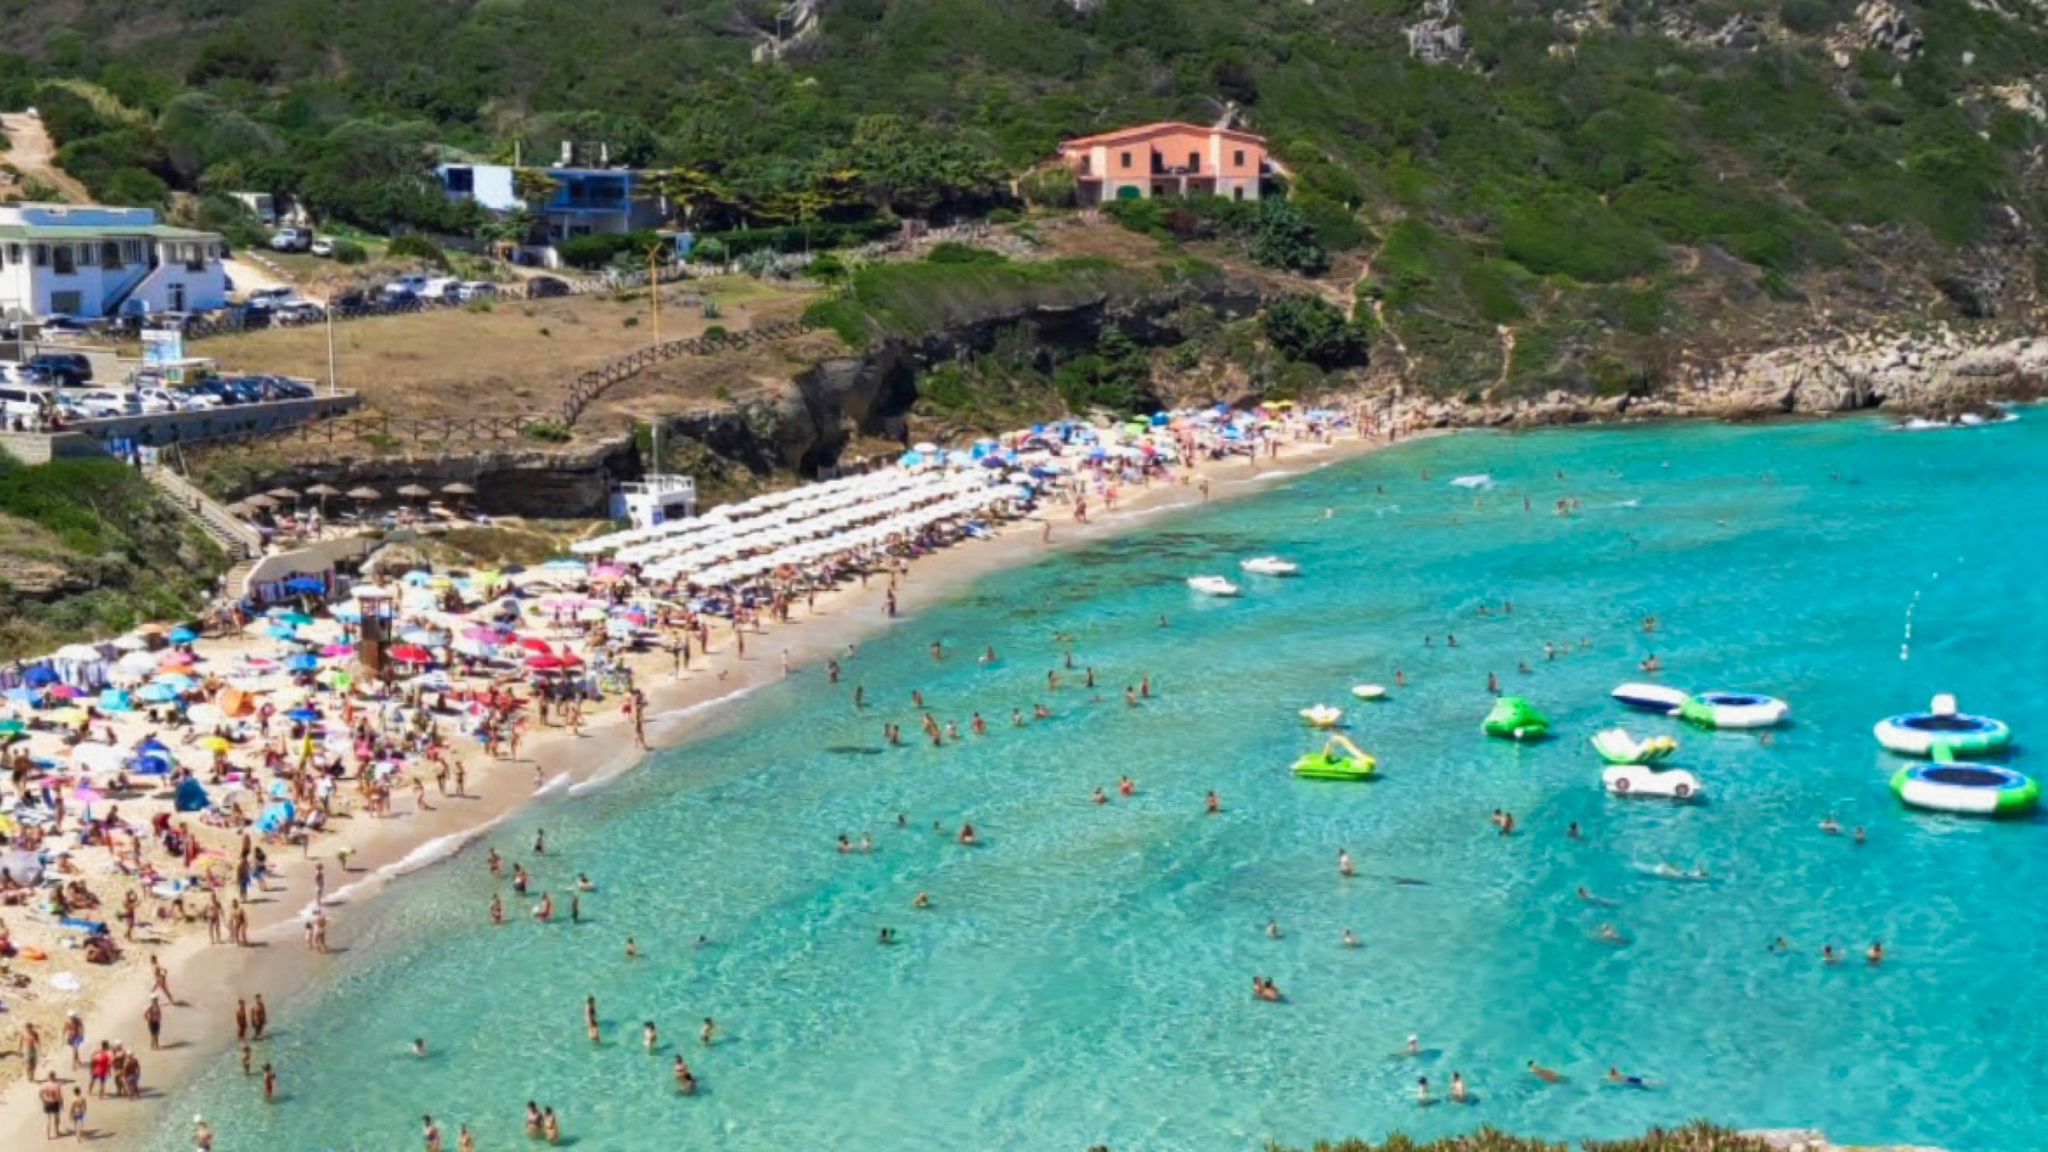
<point>534,644</point>
<point>412,654</point>
<point>546,664</point>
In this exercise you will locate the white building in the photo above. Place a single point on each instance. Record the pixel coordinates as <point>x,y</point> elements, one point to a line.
<point>92,262</point>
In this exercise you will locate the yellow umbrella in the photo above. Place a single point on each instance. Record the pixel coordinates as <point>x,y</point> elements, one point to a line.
<point>68,716</point>
<point>215,744</point>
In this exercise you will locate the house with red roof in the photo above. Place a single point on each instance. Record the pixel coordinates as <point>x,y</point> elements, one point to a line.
<point>1168,158</point>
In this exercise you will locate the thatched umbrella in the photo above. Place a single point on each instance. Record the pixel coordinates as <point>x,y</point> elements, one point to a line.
<point>258,501</point>
<point>321,492</point>
<point>414,492</point>
<point>283,494</point>
<point>457,489</point>
<point>364,493</point>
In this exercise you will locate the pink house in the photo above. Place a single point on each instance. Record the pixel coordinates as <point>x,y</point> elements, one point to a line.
<point>1168,159</point>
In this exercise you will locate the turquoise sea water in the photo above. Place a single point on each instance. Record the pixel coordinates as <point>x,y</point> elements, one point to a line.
<point>1084,977</point>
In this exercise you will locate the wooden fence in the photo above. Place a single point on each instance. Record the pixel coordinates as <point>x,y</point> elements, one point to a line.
<point>596,382</point>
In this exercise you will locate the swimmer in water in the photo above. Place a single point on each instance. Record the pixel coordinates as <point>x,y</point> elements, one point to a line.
<point>1614,1076</point>
<point>1652,665</point>
<point>1422,1091</point>
<point>649,1038</point>
<point>1875,954</point>
<point>1124,787</point>
<point>1831,827</point>
<point>1572,832</point>
<point>419,1048</point>
<point>1264,989</point>
<point>1547,1075</point>
<point>1214,804</point>
<point>1828,955</point>
<point>1101,797</point>
<point>1272,930</point>
<point>1859,836</point>
<point>1458,1093</point>
<point>1414,1044</point>
<point>1349,940</point>
<point>1344,865</point>
<point>1608,934</point>
<point>632,949</point>
<point>967,836</point>
<point>1779,947</point>
<point>1596,901</point>
<point>923,900</point>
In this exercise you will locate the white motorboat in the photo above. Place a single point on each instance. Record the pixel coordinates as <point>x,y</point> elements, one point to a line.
<point>1214,586</point>
<point>1271,566</point>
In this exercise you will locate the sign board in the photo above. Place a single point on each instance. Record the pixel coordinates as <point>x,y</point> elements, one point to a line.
<point>162,347</point>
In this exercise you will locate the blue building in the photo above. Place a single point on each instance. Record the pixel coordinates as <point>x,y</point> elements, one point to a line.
<point>586,201</point>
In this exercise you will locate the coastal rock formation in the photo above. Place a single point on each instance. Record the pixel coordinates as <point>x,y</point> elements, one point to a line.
<point>1878,26</point>
<point>1814,1140</point>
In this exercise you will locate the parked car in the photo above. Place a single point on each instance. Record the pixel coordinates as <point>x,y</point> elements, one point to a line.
<point>349,302</point>
<point>65,369</point>
<point>291,239</point>
<point>98,403</point>
<point>475,290</point>
<point>323,246</point>
<point>441,290</point>
<point>299,312</point>
<point>23,376</point>
<point>159,400</point>
<point>543,287</point>
<point>406,287</point>
<point>25,403</point>
<point>66,328</point>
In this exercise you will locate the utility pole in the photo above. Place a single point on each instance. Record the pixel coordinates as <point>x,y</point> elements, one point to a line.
<point>333,387</point>
<point>654,287</point>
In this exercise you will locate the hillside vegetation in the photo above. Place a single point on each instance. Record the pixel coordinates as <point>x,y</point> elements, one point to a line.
<point>1607,179</point>
<point>87,550</point>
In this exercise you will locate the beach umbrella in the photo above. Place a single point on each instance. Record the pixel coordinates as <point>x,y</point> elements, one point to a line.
<point>131,643</point>
<point>28,696</point>
<point>302,663</point>
<point>365,493</point>
<point>215,744</point>
<point>283,494</point>
<point>258,501</point>
<point>411,654</point>
<point>290,618</point>
<point>156,693</point>
<point>183,636</point>
<point>40,676</point>
<point>337,651</point>
<point>66,692</point>
<point>414,492</point>
<point>457,489</point>
<point>334,678</point>
<point>68,716</point>
<point>179,660</point>
<point>12,727</point>
<point>423,636</point>
<point>115,700</point>
<point>178,681</point>
<point>302,716</point>
<point>323,491</point>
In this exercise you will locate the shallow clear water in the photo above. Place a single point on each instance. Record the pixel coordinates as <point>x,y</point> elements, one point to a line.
<point>1084,976</point>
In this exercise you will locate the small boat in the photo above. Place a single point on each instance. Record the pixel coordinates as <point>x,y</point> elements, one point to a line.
<point>1213,586</point>
<point>1322,716</point>
<point>1369,691</point>
<point>1642,780</point>
<point>1616,746</point>
<point>1271,566</point>
<point>1651,698</point>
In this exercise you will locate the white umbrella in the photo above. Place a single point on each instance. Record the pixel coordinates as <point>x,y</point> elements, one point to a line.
<point>131,643</point>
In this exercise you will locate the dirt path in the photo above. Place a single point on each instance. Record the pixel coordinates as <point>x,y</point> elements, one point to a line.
<point>31,153</point>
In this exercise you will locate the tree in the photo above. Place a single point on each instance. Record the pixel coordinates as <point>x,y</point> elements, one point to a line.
<point>533,186</point>
<point>1312,330</point>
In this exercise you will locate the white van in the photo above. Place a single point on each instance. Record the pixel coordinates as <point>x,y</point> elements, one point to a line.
<point>25,403</point>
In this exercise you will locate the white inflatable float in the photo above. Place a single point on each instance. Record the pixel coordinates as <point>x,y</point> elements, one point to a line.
<point>1213,586</point>
<point>1270,566</point>
<point>1642,780</point>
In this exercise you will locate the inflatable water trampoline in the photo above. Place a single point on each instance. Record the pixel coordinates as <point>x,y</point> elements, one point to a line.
<point>1974,789</point>
<point>1942,727</point>
<point>1733,710</point>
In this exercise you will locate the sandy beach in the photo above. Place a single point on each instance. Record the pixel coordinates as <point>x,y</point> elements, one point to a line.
<point>207,979</point>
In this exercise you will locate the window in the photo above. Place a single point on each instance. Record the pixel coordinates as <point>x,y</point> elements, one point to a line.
<point>42,252</point>
<point>1194,161</point>
<point>1237,193</point>
<point>67,303</point>
<point>14,254</point>
<point>1237,158</point>
<point>460,181</point>
<point>110,254</point>
<point>66,260</point>
<point>1127,159</point>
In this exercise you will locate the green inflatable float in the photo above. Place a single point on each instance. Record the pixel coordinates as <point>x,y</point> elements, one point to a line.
<point>1340,759</point>
<point>1514,718</point>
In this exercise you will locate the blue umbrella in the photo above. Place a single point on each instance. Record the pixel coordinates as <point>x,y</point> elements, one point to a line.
<point>298,585</point>
<point>115,700</point>
<point>183,636</point>
<point>911,459</point>
<point>157,694</point>
<point>302,716</point>
<point>302,663</point>
<point>153,746</point>
<point>281,632</point>
<point>40,676</point>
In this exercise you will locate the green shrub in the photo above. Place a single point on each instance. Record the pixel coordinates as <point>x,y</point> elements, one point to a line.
<point>1314,331</point>
<point>716,332</point>
<point>416,247</point>
<point>1002,216</point>
<point>953,252</point>
<point>548,432</point>
<point>842,316</point>
<point>350,252</point>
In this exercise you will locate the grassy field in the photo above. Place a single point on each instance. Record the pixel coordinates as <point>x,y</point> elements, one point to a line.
<point>513,359</point>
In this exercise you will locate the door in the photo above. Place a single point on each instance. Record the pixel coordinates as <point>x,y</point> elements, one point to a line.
<point>177,297</point>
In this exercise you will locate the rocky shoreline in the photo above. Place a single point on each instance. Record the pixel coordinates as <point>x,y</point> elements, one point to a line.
<point>1939,378</point>
<point>1814,1140</point>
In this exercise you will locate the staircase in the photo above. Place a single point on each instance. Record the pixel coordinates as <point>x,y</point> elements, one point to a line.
<point>242,543</point>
